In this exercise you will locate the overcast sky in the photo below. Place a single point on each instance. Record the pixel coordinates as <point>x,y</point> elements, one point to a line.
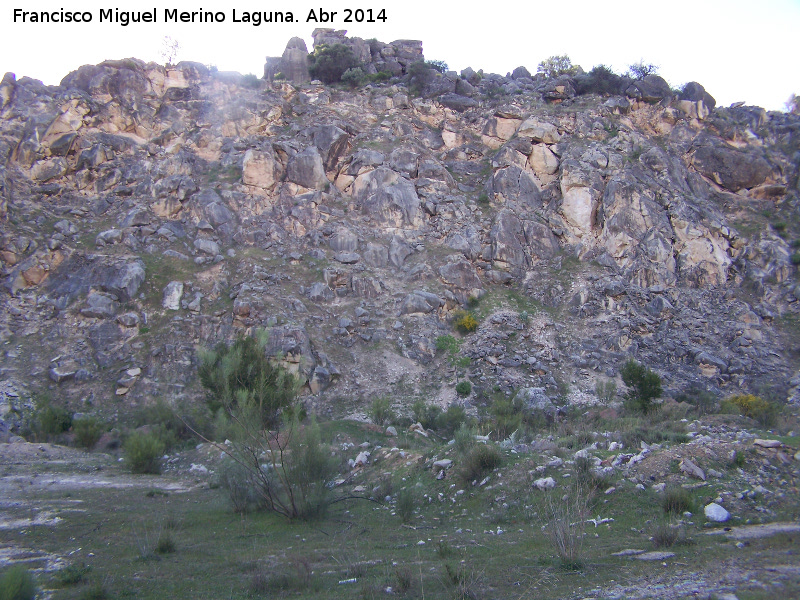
<point>739,50</point>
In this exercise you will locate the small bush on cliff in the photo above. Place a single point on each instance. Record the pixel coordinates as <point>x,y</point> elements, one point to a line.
<point>641,70</point>
<point>464,322</point>
<point>463,388</point>
<point>437,65</point>
<point>329,63</point>
<point>754,407</point>
<point>557,65</point>
<point>600,80</point>
<point>644,386</point>
<point>354,77</point>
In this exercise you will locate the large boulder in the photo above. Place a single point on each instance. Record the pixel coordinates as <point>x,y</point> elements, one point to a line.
<point>460,274</point>
<point>306,169</point>
<point>651,88</point>
<point>729,167</point>
<point>420,302</point>
<point>507,241</point>
<point>535,400</point>
<point>261,168</point>
<point>331,141</point>
<point>695,92</point>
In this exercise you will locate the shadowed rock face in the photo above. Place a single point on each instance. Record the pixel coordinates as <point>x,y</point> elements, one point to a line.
<point>146,211</point>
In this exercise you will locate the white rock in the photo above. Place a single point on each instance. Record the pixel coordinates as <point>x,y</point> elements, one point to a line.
<point>659,487</point>
<point>614,446</point>
<point>714,512</point>
<point>545,483</point>
<point>172,295</point>
<point>362,459</point>
<point>391,430</point>
<point>768,443</point>
<point>199,469</point>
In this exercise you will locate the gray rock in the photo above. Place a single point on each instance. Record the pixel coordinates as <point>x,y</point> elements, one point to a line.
<point>306,169</point>
<point>343,240</point>
<point>60,375</point>
<point>731,168</point>
<point>535,399</point>
<point>207,246</point>
<point>420,302</point>
<point>100,305</point>
<point>457,102</point>
<point>331,142</point>
<point>461,274</point>
<point>544,483</point>
<point>714,512</point>
<point>347,258</point>
<point>695,92</point>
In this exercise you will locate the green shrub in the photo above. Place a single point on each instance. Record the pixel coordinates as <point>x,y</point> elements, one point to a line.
<point>737,460</point>
<point>507,417</point>
<point>72,574</point>
<point>143,452</point>
<point>354,77</point>
<point>665,535</point>
<point>447,344</point>
<point>600,80</point>
<point>644,386</point>
<point>237,480</point>
<point>676,501</point>
<point>51,420</point>
<point>464,322</point>
<point>796,258</point>
<point>420,75</point>
<point>482,458</point>
<point>95,592</point>
<point>17,584</point>
<point>251,81</point>
<point>381,411</point>
<point>87,432</point>
<point>704,402</point>
<point>448,421</point>
<point>329,63</point>
<point>463,388</point>
<point>165,544</point>
<point>425,414</point>
<point>406,503</point>
<point>754,407</point>
<point>464,438</point>
<point>606,390</point>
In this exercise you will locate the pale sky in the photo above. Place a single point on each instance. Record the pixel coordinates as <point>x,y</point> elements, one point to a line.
<point>739,50</point>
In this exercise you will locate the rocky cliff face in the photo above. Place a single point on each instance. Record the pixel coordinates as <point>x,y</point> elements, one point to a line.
<point>149,210</point>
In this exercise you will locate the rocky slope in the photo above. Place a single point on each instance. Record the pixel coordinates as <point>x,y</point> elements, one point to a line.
<point>148,210</point>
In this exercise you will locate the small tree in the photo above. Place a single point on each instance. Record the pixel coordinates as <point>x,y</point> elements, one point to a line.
<point>557,65</point>
<point>241,375</point>
<point>288,465</point>
<point>169,50</point>
<point>329,63</point>
<point>644,386</point>
<point>437,65</point>
<point>641,70</point>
